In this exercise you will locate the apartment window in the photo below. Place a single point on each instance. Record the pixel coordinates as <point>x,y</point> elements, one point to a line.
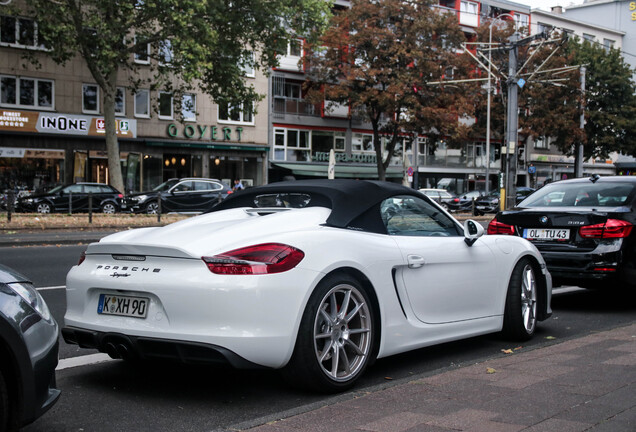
<point>521,21</point>
<point>292,145</point>
<point>544,28</point>
<point>142,103</point>
<point>608,44</point>
<point>26,92</point>
<point>295,48</point>
<point>362,143</point>
<point>165,52</point>
<point>20,32</point>
<point>236,113</point>
<point>120,101</point>
<point>247,65</point>
<point>541,143</point>
<point>165,105</point>
<point>90,98</point>
<point>189,107</point>
<point>588,37</point>
<point>288,90</point>
<point>142,53</point>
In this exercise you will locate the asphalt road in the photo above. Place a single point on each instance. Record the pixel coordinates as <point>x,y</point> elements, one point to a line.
<point>116,396</point>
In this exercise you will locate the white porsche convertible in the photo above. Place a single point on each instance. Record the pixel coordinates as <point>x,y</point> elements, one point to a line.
<point>318,278</point>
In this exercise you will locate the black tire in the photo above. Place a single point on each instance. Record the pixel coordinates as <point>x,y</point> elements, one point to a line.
<point>333,348</point>
<point>520,315</point>
<point>152,207</point>
<point>7,417</point>
<point>109,208</point>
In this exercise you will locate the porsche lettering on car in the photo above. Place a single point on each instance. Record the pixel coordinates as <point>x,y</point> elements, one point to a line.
<point>318,278</point>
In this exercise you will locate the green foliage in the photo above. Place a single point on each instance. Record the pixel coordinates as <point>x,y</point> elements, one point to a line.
<point>379,58</point>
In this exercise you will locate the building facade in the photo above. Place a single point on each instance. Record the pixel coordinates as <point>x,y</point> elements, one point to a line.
<point>52,125</point>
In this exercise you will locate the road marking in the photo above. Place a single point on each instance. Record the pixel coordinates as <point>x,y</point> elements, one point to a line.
<point>91,359</point>
<point>51,288</point>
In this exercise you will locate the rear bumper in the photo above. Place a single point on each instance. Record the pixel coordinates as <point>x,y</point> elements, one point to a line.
<point>118,345</point>
<point>582,268</point>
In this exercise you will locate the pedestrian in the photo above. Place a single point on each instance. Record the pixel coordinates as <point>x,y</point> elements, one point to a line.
<point>238,185</point>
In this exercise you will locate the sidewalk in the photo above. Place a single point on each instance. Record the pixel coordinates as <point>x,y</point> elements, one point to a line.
<point>584,384</point>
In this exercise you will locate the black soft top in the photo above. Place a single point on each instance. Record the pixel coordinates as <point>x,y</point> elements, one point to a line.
<point>349,200</point>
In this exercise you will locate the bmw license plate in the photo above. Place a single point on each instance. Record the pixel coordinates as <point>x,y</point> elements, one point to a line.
<point>546,234</point>
<point>136,307</point>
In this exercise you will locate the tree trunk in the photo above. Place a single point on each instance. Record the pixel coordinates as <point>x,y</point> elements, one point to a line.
<point>377,145</point>
<point>112,144</point>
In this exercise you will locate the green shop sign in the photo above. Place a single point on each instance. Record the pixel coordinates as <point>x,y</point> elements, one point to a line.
<point>345,158</point>
<point>204,132</point>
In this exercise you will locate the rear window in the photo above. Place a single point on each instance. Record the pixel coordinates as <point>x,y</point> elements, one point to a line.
<point>286,200</point>
<point>580,194</point>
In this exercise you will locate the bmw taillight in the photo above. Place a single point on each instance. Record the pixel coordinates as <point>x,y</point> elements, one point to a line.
<point>612,228</point>
<point>266,258</point>
<point>496,227</point>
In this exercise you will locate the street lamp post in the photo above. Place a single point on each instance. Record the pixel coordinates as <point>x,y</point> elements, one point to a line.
<point>489,93</point>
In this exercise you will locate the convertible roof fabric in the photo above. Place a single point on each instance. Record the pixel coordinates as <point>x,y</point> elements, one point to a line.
<point>348,200</point>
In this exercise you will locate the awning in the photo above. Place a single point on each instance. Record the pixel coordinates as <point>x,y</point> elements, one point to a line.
<point>207,145</point>
<point>342,171</point>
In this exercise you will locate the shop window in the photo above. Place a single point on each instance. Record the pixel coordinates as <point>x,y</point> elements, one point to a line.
<point>90,98</point>
<point>26,92</point>
<point>236,113</point>
<point>142,103</point>
<point>362,143</point>
<point>189,107</point>
<point>165,105</point>
<point>120,101</point>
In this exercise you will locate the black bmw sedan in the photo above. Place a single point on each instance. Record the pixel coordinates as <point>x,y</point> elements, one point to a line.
<point>582,227</point>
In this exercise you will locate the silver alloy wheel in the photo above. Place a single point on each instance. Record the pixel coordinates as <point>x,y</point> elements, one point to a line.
<point>109,208</point>
<point>43,208</point>
<point>342,332</point>
<point>152,208</point>
<point>528,298</point>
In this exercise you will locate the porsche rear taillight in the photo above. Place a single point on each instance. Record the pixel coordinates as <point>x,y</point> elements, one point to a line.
<point>264,258</point>
<point>81,258</point>
<point>612,228</point>
<point>496,227</point>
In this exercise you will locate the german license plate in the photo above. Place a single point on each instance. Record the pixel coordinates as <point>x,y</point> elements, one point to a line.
<point>136,307</point>
<point>546,234</point>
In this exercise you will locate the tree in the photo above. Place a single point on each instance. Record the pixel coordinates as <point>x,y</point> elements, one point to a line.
<point>379,58</point>
<point>188,44</point>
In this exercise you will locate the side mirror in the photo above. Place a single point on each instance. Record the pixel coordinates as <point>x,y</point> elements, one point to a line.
<point>472,231</point>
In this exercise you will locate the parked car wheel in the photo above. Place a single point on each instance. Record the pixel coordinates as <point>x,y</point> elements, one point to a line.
<point>520,316</point>
<point>152,207</point>
<point>43,208</point>
<point>4,405</point>
<point>109,208</point>
<point>336,336</point>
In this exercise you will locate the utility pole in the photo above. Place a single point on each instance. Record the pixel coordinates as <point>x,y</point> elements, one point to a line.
<point>512,121</point>
<point>578,160</point>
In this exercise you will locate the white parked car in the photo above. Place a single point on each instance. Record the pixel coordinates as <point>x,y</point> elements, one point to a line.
<point>318,278</point>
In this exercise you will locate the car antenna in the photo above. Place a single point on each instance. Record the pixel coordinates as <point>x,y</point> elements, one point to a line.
<point>594,178</point>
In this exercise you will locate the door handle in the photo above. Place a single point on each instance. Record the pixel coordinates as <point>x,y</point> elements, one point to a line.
<point>415,261</point>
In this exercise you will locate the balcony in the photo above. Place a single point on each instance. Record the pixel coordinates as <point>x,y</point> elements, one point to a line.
<point>288,106</point>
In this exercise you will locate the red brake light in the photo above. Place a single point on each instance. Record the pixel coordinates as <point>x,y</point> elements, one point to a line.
<point>496,227</point>
<point>120,196</point>
<point>81,258</point>
<point>456,200</point>
<point>266,258</point>
<point>612,228</point>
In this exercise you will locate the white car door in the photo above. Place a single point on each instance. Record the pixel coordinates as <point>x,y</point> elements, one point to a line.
<point>445,279</point>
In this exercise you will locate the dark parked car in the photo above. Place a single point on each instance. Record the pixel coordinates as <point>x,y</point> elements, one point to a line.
<point>28,352</point>
<point>106,199</point>
<point>180,195</point>
<point>582,227</point>
<point>464,202</point>
<point>490,203</point>
<point>441,196</point>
